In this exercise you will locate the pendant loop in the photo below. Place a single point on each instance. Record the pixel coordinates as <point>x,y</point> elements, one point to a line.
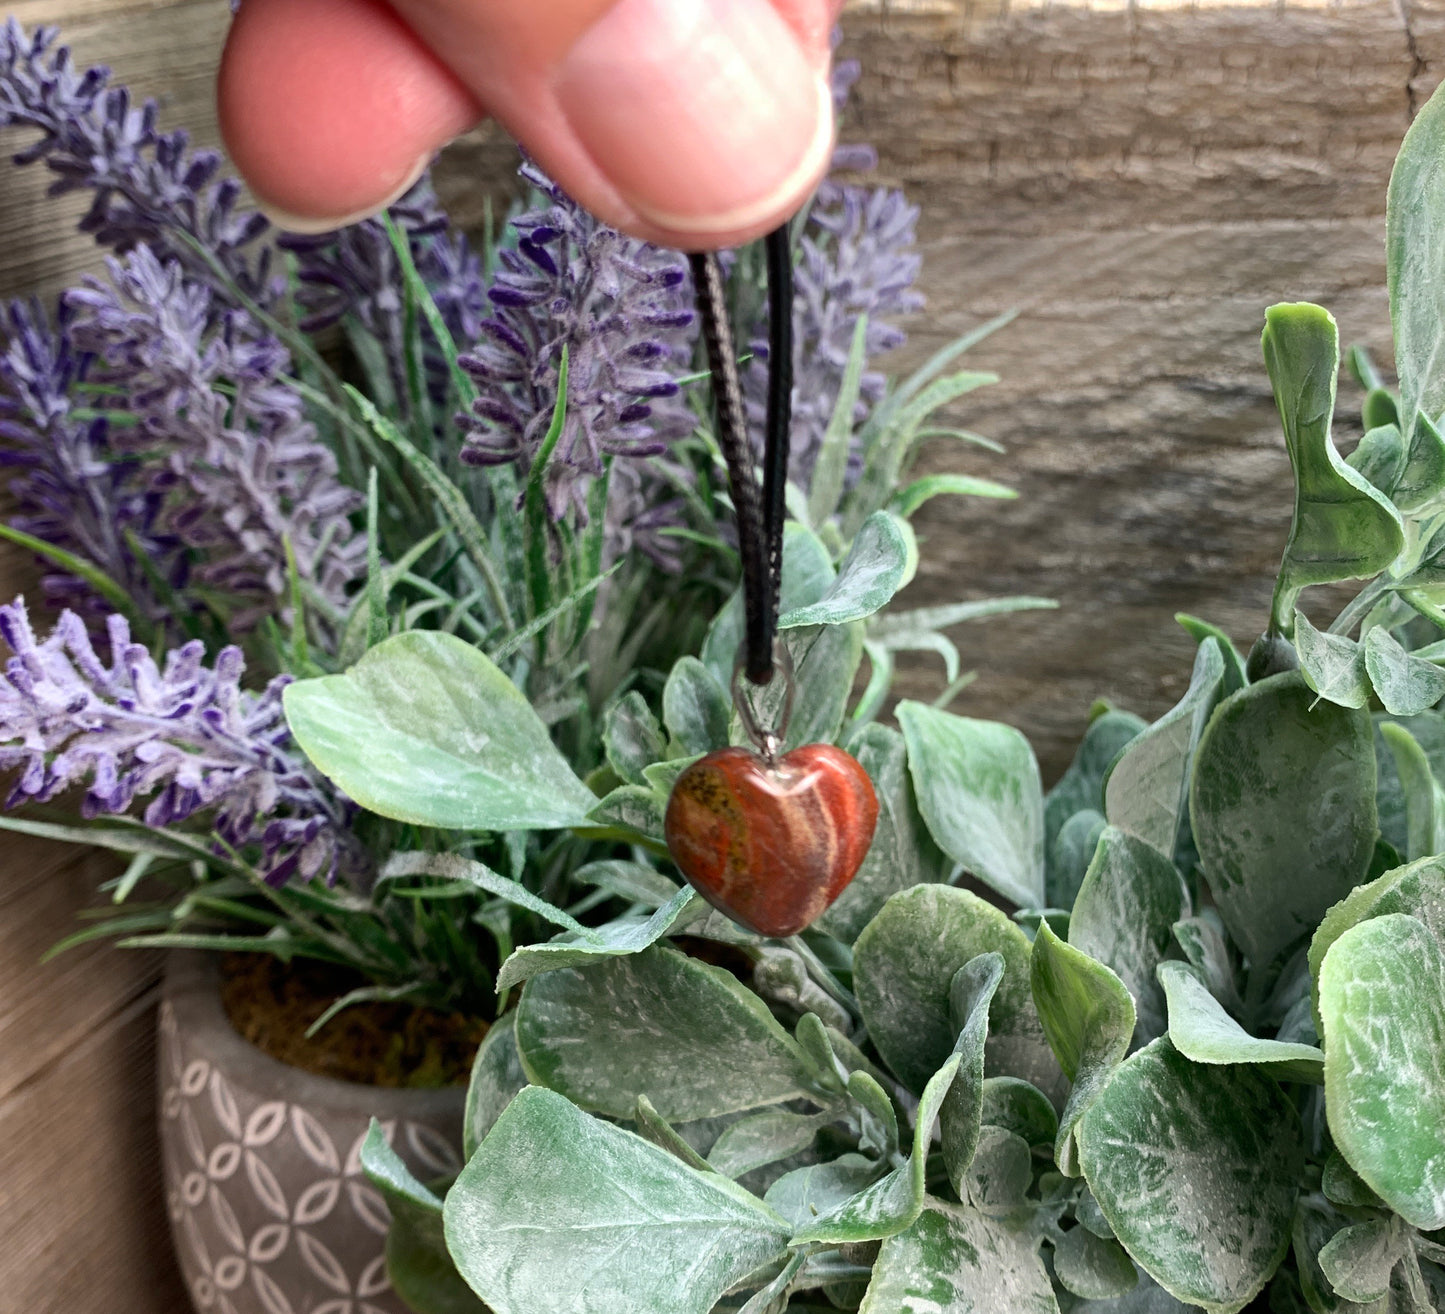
<point>766,738</point>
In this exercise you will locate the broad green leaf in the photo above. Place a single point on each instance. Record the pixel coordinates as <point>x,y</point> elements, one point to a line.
<point>425,729</point>
<point>1070,857</point>
<point>1414,255</point>
<point>1333,664</point>
<point>653,1127</point>
<point>903,968</point>
<point>1420,792</point>
<point>1342,1185</point>
<point>1021,1108</point>
<point>902,854</point>
<point>1203,1032</point>
<point>556,1203</point>
<point>978,787</point>
<point>960,1119</point>
<point>1081,787</point>
<point>1202,940</point>
<point>878,1117</point>
<point>807,575</point>
<point>953,1258</point>
<point>907,500</point>
<point>765,1138</point>
<point>1380,457</point>
<point>1091,1267</point>
<point>871,573</point>
<point>1417,890</point>
<point>627,880</point>
<point>1407,685</point>
<point>1088,1018</point>
<point>496,1077</point>
<point>690,1037</point>
<point>632,737</point>
<point>806,1193</point>
<point>635,809</point>
<point>1283,810</point>
<point>1382,1005</point>
<point>421,1271</point>
<point>1235,676</point>
<point>1343,527</point>
<point>999,1174</point>
<point>1148,790</point>
<point>1315,1222</point>
<point>1358,1260</point>
<point>695,708</point>
<point>1196,1168</point>
<point>892,1203</point>
<point>612,940</point>
<point>825,659</point>
<point>1124,918</point>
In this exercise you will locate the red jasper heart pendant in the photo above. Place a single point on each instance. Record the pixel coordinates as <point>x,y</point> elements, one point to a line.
<point>772,844</point>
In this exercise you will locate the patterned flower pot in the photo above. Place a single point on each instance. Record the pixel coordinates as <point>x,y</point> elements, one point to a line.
<point>270,1211</point>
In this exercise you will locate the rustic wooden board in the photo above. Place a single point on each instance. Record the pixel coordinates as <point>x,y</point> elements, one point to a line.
<point>1138,179</point>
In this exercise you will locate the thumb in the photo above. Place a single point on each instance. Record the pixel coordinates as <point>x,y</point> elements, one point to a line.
<point>689,122</point>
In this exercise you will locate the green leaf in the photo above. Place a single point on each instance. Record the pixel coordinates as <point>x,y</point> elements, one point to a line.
<point>653,1127</point>
<point>1407,685</point>
<point>1380,457</point>
<point>830,470</point>
<point>1358,1260</point>
<point>978,788</point>
<point>82,569</point>
<point>807,575</point>
<point>627,880</point>
<point>960,1119</point>
<point>1235,676</point>
<point>1091,1267</point>
<point>1203,1032</point>
<point>632,737</point>
<point>1424,474</point>
<point>690,1037</point>
<point>1343,527</point>
<point>1333,664</point>
<point>806,1193</point>
<point>1021,1108</point>
<point>1070,857</point>
<point>903,968</point>
<point>765,1138</point>
<point>1283,810</point>
<point>1382,1004</point>
<point>999,1173</point>
<point>637,809</point>
<point>555,1203</point>
<point>454,867</point>
<point>902,854</point>
<point>892,1203</point>
<point>695,708</point>
<point>612,940</point>
<point>425,729</point>
<point>954,1258</point>
<point>1414,253</point>
<point>1342,1185</point>
<point>871,573</point>
<point>1124,918</point>
<point>907,500</point>
<point>1147,791</point>
<point>1081,787</point>
<point>497,1076</point>
<point>1088,1018</point>
<point>825,659</point>
<point>1196,1169</point>
<point>1423,799</point>
<point>421,1270</point>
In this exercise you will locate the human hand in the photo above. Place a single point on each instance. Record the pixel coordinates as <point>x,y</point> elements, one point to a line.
<point>692,123</point>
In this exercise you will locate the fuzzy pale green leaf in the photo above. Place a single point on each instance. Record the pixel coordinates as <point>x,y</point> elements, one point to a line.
<point>1407,685</point>
<point>869,576</point>
<point>1333,664</point>
<point>960,1119</point>
<point>497,1076</point>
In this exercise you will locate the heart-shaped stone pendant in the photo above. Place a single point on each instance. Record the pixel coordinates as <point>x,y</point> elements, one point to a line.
<point>772,844</point>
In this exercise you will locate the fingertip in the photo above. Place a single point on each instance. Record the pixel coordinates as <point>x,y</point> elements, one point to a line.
<point>332,108</point>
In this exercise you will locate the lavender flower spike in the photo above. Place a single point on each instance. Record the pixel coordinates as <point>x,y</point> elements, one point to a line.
<point>148,186</point>
<point>185,736</point>
<point>240,467</point>
<point>621,311</point>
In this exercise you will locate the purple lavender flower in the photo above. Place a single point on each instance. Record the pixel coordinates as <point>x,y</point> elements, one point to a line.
<point>619,308</point>
<point>238,465</point>
<point>186,737</point>
<point>148,186</point>
<point>74,489</point>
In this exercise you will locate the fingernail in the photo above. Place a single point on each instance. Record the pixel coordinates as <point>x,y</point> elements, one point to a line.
<point>706,115</point>
<point>308,225</point>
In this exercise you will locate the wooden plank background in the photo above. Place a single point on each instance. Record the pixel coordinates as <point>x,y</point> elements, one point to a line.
<point>1138,179</point>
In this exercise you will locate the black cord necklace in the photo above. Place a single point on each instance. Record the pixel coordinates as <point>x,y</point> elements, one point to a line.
<point>771,840</point>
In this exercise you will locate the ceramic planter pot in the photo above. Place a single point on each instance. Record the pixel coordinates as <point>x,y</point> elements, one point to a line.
<point>269,1209</point>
